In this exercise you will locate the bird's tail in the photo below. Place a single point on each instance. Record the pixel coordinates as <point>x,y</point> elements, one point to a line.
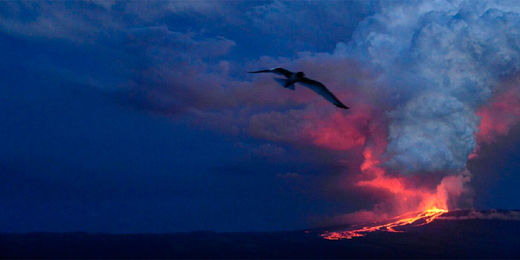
<point>285,83</point>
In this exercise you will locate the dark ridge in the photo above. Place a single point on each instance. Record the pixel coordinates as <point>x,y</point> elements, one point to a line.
<point>490,213</point>
<point>461,235</point>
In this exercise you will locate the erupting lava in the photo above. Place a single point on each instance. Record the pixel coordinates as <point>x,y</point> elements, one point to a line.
<point>422,204</point>
<point>420,219</point>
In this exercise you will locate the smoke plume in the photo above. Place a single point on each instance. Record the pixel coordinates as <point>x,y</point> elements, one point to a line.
<point>439,61</point>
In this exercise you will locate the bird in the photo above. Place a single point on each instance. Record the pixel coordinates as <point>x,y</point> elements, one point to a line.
<point>299,77</point>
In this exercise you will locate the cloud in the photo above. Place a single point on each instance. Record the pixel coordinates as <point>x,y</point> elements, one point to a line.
<point>429,64</point>
<point>431,132</point>
<point>160,69</point>
<point>441,61</point>
<point>497,117</point>
<point>414,73</point>
<point>300,24</point>
<point>59,20</point>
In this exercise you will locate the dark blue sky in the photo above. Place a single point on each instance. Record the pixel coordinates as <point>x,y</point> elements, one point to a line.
<point>134,117</point>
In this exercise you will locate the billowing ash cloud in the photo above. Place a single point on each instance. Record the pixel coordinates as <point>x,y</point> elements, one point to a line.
<point>439,61</point>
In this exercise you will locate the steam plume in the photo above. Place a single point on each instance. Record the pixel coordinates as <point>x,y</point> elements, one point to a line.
<point>440,62</point>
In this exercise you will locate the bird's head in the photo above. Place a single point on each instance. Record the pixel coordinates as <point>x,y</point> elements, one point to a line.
<point>300,74</point>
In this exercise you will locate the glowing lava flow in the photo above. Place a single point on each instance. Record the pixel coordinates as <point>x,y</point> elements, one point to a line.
<point>429,204</point>
<point>420,203</point>
<point>420,219</point>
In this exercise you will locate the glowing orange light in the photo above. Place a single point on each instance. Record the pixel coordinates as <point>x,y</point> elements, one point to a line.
<point>422,204</point>
<point>419,219</point>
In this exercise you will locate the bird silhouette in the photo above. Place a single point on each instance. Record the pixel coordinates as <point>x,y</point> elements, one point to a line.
<point>299,77</point>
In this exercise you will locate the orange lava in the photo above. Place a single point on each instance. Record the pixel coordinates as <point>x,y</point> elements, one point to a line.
<point>419,219</point>
<point>421,204</point>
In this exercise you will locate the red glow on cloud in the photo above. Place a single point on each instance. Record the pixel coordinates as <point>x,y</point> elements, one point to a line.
<point>408,196</point>
<point>499,116</point>
<point>408,204</point>
<point>404,201</point>
<point>343,131</point>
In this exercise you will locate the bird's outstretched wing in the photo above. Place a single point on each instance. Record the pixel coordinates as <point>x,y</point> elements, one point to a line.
<point>321,90</point>
<point>279,71</point>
